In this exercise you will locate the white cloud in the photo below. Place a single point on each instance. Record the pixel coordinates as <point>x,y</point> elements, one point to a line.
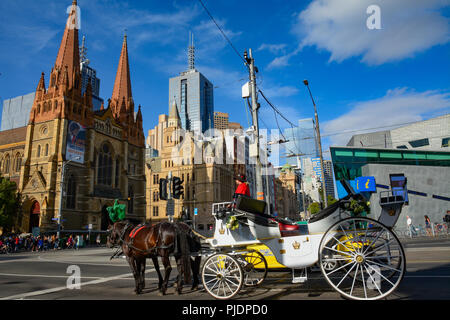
<point>339,27</point>
<point>398,106</point>
<point>273,48</point>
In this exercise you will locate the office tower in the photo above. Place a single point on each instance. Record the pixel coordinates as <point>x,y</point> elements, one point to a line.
<point>194,95</point>
<point>88,73</point>
<point>221,120</point>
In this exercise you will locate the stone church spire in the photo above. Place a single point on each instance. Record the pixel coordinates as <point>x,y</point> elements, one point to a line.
<point>69,52</point>
<point>122,85</point>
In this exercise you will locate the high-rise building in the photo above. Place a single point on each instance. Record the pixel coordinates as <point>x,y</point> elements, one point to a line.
<point>194,95</point>
<point>329,177</point>
<point>88,73</point>
<point>302,142</point>
<point>16,111</point>
<point>221,120</point>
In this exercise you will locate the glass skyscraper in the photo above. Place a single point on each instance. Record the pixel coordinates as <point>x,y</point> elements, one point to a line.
<point>302,142</point>
<point>193,94</point>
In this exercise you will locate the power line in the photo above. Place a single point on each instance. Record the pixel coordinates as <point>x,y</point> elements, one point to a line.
<point>223,33</point>
<point>275,109</point>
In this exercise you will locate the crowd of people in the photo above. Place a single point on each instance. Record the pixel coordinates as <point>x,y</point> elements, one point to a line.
<point>21,243</point>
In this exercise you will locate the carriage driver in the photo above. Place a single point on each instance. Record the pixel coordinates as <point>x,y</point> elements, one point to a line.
<point>242,186</point>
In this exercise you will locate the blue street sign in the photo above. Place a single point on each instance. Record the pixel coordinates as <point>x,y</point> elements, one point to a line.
<point>195,211</point>
<point>366,184</point>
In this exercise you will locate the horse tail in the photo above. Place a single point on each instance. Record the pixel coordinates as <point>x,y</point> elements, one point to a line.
<point>185,254</point>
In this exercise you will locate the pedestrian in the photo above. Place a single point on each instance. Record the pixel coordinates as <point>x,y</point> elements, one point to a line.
<point>411,229</point>
<point>428,226</point>
<point>98,240</point>
<point>447,220</point>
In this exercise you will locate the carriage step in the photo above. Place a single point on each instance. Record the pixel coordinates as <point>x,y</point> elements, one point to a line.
<point>299,275</point>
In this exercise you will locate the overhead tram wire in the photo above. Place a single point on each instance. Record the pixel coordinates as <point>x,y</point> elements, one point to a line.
<point>223,33</point>
<point>271,105</point>
<point>243,59</point>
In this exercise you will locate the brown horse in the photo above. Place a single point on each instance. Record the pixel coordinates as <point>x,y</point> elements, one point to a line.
<point>163,239</point>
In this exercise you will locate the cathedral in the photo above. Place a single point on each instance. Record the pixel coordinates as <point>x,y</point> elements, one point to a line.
<point>70,162</point>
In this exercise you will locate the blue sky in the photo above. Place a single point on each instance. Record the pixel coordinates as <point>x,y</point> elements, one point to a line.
<point>360,78</point>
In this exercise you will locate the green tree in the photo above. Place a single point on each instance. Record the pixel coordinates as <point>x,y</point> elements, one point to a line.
<point>8,203</point>
<point>314,208</point>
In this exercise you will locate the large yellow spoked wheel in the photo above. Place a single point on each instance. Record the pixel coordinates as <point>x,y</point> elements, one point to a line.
<point>222,276</point>
<point>254,265</point>
<point>370,260</point>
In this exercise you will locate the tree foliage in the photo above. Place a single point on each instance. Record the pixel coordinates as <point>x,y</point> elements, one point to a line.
<point>8,203</point>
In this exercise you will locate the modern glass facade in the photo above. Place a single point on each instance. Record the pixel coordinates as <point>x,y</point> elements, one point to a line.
<point>194,96</point>
<point>86,74</point>
<point>427,173</point>
<point>348,162</point>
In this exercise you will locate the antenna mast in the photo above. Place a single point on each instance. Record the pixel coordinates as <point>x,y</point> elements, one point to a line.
<point>191,52</point>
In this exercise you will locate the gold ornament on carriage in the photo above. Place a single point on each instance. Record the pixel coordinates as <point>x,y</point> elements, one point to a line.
<point>296,245</point>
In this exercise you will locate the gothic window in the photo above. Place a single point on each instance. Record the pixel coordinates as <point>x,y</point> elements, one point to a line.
<point>71,193</point>
<point>46,149</point>
<point>7,164</point>
<point>55,105</point>
<point>39,108</point>
<point>104,166</point>
<point>39,151</point>
<point>45,107</point>
<point>18,163</point>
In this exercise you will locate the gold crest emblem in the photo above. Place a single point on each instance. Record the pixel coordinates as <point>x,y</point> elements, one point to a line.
<point>296,245</point>
<point>221,230</point>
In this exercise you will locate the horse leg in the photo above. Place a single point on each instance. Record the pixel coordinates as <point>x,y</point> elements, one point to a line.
<point>195,267</point>
<point>167,269</point>
<point>132,263</point>
<point>160,278</point>
<point>143,263</point>
<point>179,261</point>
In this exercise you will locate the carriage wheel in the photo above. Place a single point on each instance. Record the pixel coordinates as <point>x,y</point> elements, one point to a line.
<point>369,257</point>
<point>254,265</point>
<point>222,276</point>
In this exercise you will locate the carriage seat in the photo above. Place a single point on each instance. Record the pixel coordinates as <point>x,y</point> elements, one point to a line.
<point>255,211</point>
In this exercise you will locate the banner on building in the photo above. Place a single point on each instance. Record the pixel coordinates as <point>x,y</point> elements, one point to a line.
<point>76,142</point>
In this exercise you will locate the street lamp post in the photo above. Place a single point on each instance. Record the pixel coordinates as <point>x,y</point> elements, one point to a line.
<point>316,117</point>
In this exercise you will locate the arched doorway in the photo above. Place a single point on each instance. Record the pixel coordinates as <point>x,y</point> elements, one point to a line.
<point>35,214</point>
<point>105,219</point>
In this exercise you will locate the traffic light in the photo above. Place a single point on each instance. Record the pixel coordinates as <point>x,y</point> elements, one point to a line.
<point>163,189</point>
<point>177,188</point>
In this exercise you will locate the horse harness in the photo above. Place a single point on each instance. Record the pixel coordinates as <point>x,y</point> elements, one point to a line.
<point>133,234</point>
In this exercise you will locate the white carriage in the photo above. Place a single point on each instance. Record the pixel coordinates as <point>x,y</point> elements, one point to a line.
<point>359,257</point>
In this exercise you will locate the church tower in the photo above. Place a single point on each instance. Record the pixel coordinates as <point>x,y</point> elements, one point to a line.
<point>53,109</point>
<point>92,157</point>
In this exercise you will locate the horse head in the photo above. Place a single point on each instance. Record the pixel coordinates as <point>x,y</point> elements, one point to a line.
<point>115,233</point>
